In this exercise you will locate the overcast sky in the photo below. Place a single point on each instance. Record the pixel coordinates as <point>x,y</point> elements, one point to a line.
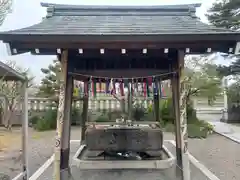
<point>29,12</point>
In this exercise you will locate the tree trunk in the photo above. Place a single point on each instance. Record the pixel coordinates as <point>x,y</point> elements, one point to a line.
<point>9,111</point>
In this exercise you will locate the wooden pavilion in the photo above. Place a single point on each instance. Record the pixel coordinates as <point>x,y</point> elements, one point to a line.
<point>9,74</point>
<point>116,42</point>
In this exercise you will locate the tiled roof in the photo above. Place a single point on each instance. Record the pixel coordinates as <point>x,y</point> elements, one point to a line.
<point>111,20</point>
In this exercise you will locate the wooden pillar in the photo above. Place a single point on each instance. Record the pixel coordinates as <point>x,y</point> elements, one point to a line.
<point>122,102</point>
<point>66,131</point>
<point>156,100</point>
<point>130,100</point>
<point>62,144</point>
<point>25,131</point>
<point>225,111</point>
<point>85,111</point>
<point>110,108</point>
<point>160,97</point>
<point>179,92</point>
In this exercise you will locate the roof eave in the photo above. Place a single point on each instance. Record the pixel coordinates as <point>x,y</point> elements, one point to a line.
<point>11,73</point>
<point>75,38</point>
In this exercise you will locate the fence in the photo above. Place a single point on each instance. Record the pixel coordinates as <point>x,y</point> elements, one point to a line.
<point>208,112</point>
<point>107,102</point>
<point>98,103</point>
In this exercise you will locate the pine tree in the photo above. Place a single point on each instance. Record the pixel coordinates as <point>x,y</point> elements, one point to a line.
<point>225,13</point>
<point>50,84</point>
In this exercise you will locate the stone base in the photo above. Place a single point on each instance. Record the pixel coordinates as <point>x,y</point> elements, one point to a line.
<point>124,139</point>
<point>82,161</point>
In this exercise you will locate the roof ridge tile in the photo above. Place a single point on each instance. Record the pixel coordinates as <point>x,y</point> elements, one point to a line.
<point>57,9</point>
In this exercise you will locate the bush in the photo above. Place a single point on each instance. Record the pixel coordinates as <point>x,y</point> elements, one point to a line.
<point>149,116</point>
<point>76,116</point>
<point>51,117</point>
<point>48,121</point>
<point>102,118</point>
<point>42,125</point>
<point>166,111</point>
<point>116,114</point>
<point>191,113</point>
<point>150,108</point>
<point>33,120</point>
<point>198,129</point>
<point>138,112</point>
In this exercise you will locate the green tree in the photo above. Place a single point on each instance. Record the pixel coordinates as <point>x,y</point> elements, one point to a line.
<point>232,69</point>
<point>203,79</point>
<point>50,84</point>
<point>225,13</point>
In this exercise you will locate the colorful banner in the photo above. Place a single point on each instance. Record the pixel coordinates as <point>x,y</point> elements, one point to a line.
<point>163,93</point>
<point>138,89</point>
<point>76,92</point>
<point>101,87</point>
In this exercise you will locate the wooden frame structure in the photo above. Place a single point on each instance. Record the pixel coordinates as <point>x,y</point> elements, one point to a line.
<point>9,74</point>
<point>109,42</point>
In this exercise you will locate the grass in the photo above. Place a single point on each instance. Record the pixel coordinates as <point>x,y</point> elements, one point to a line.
<point>9,140</point>
<point>41,134</point>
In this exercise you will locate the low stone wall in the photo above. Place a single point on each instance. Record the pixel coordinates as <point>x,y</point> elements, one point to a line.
<point>38,106</point>
<point>233,114</point>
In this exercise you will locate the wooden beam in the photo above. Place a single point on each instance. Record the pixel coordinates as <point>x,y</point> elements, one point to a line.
<point>200,49</point>
<point>161,38</point>
<point>129,73</point>
<point>200,46</point>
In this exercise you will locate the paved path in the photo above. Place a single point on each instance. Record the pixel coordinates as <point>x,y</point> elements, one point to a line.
<point>228,130</point>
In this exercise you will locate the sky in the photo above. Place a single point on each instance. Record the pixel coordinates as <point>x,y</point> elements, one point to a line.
<point>29,12</point>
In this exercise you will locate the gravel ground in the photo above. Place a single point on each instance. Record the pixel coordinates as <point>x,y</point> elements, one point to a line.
<point>217,153</point>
